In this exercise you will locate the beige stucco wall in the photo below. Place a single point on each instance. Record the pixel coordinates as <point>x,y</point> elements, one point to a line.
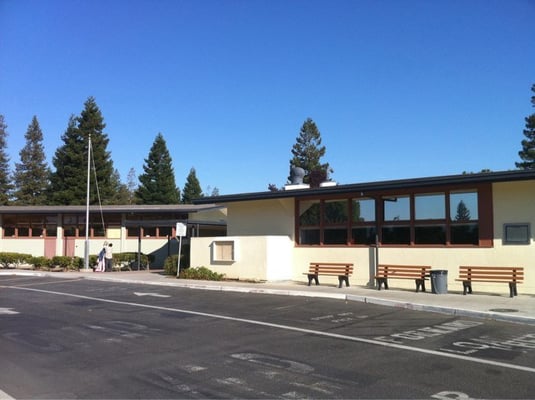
<point>255,257</point>
<point>262,217</point>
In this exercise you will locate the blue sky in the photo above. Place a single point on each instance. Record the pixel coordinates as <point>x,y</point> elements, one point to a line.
<point>398,88</point>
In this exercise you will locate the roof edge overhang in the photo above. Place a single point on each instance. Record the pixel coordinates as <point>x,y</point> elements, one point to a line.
<point>448,180</point>
<point>107,209</point>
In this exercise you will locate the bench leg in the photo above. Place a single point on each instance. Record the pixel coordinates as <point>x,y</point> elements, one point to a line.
<point>420,283</point>
<point>313,277</point>
<point>467,287</point>
<point>341,279</point>
<point>512,289</point>
<point>382,281</point>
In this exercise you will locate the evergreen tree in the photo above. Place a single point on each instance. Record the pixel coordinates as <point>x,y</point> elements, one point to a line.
<point>527,154</point>
<point>157,183</point>
<point>192,188</point>
<point>68,182</point>
<point>32,173</point>
<point>463,213</point>
<point>308,151</point>
<point>5,181</point>
<point>131,185</point>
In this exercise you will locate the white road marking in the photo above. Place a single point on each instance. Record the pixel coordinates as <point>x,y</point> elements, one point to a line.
<point>140,294</point>
<point>294,329</point>
<point>7,311</point>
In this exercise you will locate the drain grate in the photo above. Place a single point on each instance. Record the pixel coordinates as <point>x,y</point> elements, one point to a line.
<point>503,310</point>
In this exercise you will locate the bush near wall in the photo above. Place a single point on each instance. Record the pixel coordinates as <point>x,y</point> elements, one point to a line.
<point>12,260</point>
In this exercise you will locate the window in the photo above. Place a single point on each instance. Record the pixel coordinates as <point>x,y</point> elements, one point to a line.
<point>516,234</point>
<point>224,251</point>
<point>437,218</point>
<point>309,222</point>
<point>430,218</point>
<point>336,216</point>
<point>363,229</point>
<point>464,218</point>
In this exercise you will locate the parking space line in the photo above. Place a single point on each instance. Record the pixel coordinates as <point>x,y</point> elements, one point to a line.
<point>292,328</point>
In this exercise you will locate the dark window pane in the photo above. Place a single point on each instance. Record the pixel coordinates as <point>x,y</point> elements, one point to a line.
<point>23,231</point>
<point>309,236</point>
<point>430,234</point>
<point>335,236</point>
<point>465,234</point>
<point>165,231</point>
<point>364,235</point>
<point>69,231</point>
<point>149,232</point>
<point>9,231</point>
<point>396,235</point>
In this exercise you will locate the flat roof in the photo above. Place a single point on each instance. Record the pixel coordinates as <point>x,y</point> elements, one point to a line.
<point>462,179</point>
<point>107,209</point>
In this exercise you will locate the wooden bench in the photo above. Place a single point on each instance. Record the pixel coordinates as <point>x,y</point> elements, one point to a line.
<point>511,275</point>
<point>416,272</point>
<point>342,270</point>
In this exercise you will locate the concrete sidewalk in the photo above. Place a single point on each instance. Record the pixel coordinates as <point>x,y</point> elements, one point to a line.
<point>500,306</point>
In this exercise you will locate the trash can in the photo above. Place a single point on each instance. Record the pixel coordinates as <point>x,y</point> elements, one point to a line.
<point>439,281</point>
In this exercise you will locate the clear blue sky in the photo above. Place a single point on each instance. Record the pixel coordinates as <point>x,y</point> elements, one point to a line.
<point>397,88</point>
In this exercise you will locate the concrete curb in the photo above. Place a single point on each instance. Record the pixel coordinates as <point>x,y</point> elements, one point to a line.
<point>455,311</point>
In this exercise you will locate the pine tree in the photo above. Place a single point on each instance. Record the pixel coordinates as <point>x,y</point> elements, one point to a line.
<point>463,213</point>
<point>32,173</point>
<point>157,183</point>
<point>192,188</point>
<point>131,185</point>
<point>308,151</point>
<point>5,181</point>
<point>527,154</point>
<point>68,183</point>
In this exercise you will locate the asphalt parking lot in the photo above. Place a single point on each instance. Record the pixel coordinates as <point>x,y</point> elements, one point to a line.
<point>76,338</point>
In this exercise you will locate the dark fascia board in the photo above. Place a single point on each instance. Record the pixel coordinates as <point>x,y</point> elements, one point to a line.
<point>448,180</point>
<point>147,209</point>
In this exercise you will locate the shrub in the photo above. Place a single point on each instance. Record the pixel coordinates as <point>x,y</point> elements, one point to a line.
<point>66,262</point>
<point>40,262</point>
<point>201,273</point>
<point>11,259</point>
<point>170,264</point>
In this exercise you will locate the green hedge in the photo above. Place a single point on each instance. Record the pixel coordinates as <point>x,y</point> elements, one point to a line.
<point>11,259</point>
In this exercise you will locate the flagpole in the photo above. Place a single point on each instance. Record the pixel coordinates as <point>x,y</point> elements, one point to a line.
<point>86,248</point>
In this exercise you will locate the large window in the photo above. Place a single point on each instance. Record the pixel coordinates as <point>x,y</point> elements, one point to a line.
<point>363,229</point>
<point>434,218</point>
<point>29,225</point>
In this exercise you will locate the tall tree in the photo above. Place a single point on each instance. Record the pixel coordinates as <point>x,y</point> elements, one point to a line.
<point>131,185</point>
<point>68,182</point>
<point>308,151</point>
<point>157,183</point>
<point>32,173</point>
<point>527,154</point>
<point>192,188</point>
<point>5,181</point>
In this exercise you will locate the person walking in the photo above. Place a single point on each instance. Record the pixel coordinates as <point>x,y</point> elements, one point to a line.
<point>108,257</point>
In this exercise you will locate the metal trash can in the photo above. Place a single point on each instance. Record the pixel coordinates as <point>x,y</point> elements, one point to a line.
<point>439,281</point>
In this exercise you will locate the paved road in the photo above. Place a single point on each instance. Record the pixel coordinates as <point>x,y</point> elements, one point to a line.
<point>89,339</point>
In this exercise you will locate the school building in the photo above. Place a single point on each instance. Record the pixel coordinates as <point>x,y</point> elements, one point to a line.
<point>481,219</point>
